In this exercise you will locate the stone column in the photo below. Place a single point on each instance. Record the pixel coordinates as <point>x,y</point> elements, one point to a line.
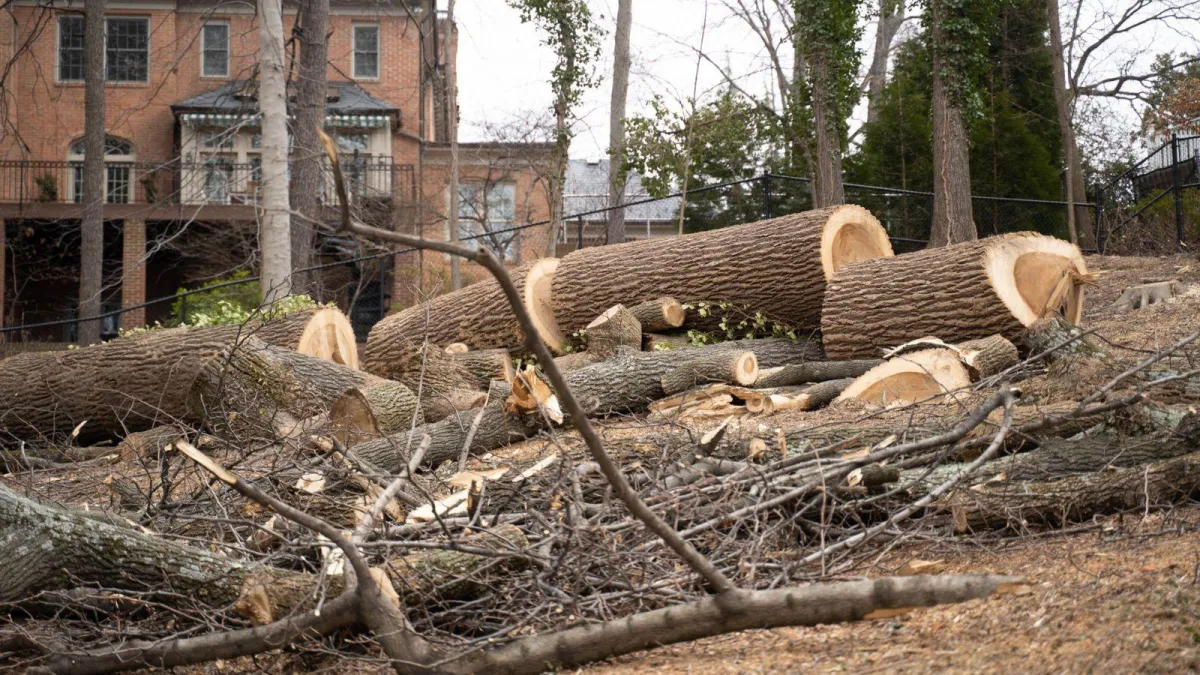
<point>133,273</point>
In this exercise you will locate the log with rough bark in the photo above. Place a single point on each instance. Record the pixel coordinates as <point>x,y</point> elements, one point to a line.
<point>811,397</point>
<point>617,327</point>
<point>988,356</point>
<point>779,267</point>
<point>910,377</point>
<point>576,360</point>
<point>323,332</point>
<point>817,371</point>
<point>1075,498</point>
<point>442,381</point>
<point>774,352</point>
<point>727,367</point>
<point>661,314</point>
<point>653,342</point>
<point>995,286</point>
<point>478,316</point>
<point>485,365</point>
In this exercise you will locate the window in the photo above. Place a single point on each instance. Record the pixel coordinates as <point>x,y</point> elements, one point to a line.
<point>489,220</point>
<point>118,158</point>
<point>366,52</point>
<point>352,142</point>
<point>217,140</point>
<point>70,48</point>
<point>126,49</point>
<point>214,48</point>
<point>218,179</point>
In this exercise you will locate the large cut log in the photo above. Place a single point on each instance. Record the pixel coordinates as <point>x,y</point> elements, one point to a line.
<point>817,371</point>
<point>779,267</point>
<point>478,316</point>
<point>444,382</point>
<point>323,332</point>
<point>485,365</point>
<point>910,377</point>
<point>138,382</point>
<point>661,314</point>
<point>995,286</point>
<point>44,548</point>
<point>726,367</point>
<point>617,327</point>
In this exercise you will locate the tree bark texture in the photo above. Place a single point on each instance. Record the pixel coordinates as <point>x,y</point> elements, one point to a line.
<point>613,329</point>
<point>46,548</point>
<point>91,240</point>
<point>450,64</point>
<point>308,175</point>
<point>891,17</point>
<point>274,229</point>
<point>773,266</point>
<point>659,315</point>
<point>726,367</point>
<point>817,371</point>
<point>953,219</point>
<point>988,356</point>
<point>1079,220</point>
<point>477,315</point>
<point>485,365</point>
<point>616,122</point>
<point>827,174</point>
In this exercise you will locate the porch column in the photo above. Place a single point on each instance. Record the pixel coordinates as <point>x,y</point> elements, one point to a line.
<point>133,272</point>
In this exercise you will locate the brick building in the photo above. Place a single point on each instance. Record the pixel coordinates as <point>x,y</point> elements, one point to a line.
<point>182,156</point>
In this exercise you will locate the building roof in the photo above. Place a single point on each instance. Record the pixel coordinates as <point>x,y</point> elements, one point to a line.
<point>241,96</point>
<point>587,190</point>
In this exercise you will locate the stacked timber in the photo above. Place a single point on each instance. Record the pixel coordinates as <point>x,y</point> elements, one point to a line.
<point>995,286</point>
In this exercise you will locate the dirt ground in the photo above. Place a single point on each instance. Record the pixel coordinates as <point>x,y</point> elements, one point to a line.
<point>1120,597</point>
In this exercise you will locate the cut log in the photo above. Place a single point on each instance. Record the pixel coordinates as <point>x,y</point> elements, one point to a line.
<point>778,267</point>
<point>727,367</point>
<point>617,327</point>
<point>817,371</point>
<point>442,381</point>
<point>1060,338</point>
<point>988,356</point>
<point>457,348</point>
<point>995,286</point>
<point>478,316</point>
<point>910,377</point>
<point>662,314</point>
<point>325,333</point>
<point>485,365</point>
<point>774,352</point>
<point>576,360</point>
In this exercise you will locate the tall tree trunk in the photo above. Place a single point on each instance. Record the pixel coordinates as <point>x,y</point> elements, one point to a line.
<point>274,233</point>
<point>827,174</point>
<point>616,123</point>
<point>451,89</point>
<point>91,244</point>
<point>891,16</point>
<point>307,168</point>
<point>562,146</point>
<point>1079,221</point>
<point>953,221</point>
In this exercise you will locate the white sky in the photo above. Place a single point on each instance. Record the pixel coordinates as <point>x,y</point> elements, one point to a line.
<point>504,70</point>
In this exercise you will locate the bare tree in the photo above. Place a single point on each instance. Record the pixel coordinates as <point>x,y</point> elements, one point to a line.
<point>451,89</point>
<point>91,246</point>
<point>274,234</point>
<point>891,17</point>
<point>307,166</point>
<point>953,221</point>
<point>616,122</point>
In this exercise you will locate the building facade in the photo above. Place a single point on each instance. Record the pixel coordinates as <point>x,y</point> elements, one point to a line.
<point>183,172</point>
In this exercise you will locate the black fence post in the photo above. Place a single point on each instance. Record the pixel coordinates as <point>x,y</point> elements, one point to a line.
<point>1098,213</point>
<point>579,233</point>
<point>768,210</point>
<point>1176,189</point>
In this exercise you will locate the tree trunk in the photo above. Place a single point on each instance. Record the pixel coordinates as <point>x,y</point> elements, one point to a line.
<point>562,146</point>
<point>777,266</point>
<point>793,374</point>
<point>996,286</point>
<point>891,17</point>
<point>616,122</point>
<point>615,328</point>
<point>827,174</point>
<point>91,240</point>
<point>478,316</point>
<point>274,234</point>
<point>486,365</point>
<point>308,175</point>
<point>910,378</point>
<point>953,219</point>
<point>1079,221</point>
<point>772,352</point>
<point>450,58</point>
<point>323,333</point>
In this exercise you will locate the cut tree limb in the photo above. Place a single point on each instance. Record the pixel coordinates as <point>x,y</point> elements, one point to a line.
<point>988,356</point>
<point>485,365</point>
<point>816,371</point>
<point>323,332</point>
<point>617,327</point>
<point>661,314</point>
<point>1144,295</point>
<point>995,286</point>
<point>910,377</point>
<point>727,367</point>
<point>778,267</point>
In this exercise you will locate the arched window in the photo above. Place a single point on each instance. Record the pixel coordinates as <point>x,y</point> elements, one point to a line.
<point>118,159</point>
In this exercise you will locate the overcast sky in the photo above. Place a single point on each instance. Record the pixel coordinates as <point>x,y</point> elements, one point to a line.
<point>504,69</point>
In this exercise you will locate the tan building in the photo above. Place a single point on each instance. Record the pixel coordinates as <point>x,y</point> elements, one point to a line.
<point>183,167</point>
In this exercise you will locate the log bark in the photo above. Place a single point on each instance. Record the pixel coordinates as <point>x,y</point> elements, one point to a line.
<point>1075,498</point>
<point>442,381</point>
<point>46,548</point>
<point>777,266</point>
<point>478,316</point>
<point>576,360</point>
<point>659,342</point>
<point>323,332</point>
<point>662,314</point>
<point>817,371</point>
<point>485,365</point>
<point>617,327</point>
<point>727,367</point>
<point>988,356</point>
<point>772,352</point>
<point>996,286</point>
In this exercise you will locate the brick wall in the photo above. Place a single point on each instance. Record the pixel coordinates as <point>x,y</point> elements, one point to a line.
<point>133,272</point>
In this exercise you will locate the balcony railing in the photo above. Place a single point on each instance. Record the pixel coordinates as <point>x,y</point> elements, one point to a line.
<point>213,181</point>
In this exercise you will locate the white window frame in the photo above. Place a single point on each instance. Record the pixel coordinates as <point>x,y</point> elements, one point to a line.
<point>354,51</point>
<point>204,50</point>
<point>149,51</point>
